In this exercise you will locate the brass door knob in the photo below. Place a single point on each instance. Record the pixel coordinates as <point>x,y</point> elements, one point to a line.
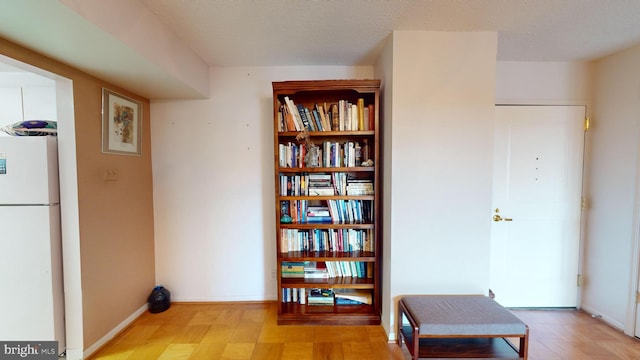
<point>497,218</point>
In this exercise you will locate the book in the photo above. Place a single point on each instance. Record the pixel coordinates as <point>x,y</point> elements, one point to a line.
<point>289,119</point>
<point>326,124</point>
<point>299,126</point>
<point>335,117</point>
<point>320,297</point>
<point>359,188</point>
<point>343,301</point>
<point>302,298</point>
<point>281,124</point>
<point>361,296</point>
<point>292,267</point>
<point>319,219</point>
<point>321,191</point>
<point>316,118</point>
<point>353,117</point>
<point>360,104</point>
<point>318,211</point>
<point>305,121</point>
<point>366,118</point>
<point>315,270</point>
<point>292,275</point>
<point>371,117</point>
<point>312,121</point>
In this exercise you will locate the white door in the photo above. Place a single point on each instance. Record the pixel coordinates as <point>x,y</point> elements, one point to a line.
<point>537,192</point>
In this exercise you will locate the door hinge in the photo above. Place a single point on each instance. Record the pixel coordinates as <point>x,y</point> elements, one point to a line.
<point>579,280</point>
<point>587,124</point>
<point>583,202</point>
<point>637,297</point>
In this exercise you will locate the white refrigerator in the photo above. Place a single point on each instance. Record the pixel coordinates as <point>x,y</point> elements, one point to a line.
<point>31,285</point>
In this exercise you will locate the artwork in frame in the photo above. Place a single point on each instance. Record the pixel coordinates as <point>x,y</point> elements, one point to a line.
<point>121,124</point>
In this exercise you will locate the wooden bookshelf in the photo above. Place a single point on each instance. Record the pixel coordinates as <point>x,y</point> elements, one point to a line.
<point>344,226</point>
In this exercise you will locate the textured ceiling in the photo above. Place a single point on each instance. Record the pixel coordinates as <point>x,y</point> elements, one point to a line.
<point>351,32</point>
<point>162,49</point>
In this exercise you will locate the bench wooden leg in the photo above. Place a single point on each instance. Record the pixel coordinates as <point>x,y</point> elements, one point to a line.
<point>524,345</point>
<point>414,347</point>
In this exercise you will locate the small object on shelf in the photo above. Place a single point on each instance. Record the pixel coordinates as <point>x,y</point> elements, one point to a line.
<point>368,163</point>
<point>311,158</point>
<point>286,219</point>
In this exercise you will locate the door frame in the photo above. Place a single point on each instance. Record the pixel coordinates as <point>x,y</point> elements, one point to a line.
<point>70,222</point>
<point>632,325</point>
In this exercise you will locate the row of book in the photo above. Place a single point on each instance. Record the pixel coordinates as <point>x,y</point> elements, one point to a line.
<point>327,297</point>
<point>337,240</point>
<point>341,116</point>
<point>318,184</point>
<point>326,269</point>
<point>334,212</point>
<point>329,154</point>
<point>353,269</point>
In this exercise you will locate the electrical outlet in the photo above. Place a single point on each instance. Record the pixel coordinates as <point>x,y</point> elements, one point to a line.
<point>273,274</point>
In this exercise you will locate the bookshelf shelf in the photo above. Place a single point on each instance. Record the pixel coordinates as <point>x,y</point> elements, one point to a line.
<point>355,283</point>
<point>329,315</point>
<point>335,197</point>
<point>326,169</point>
<point>338,229</point>
<point>319,225</point>
<point>328,255</point>
<point>323,134</point>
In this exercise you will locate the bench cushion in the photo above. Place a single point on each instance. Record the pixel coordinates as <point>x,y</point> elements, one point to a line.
<point>468,315</point>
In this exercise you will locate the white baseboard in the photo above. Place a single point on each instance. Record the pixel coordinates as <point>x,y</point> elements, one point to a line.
<point>91,349</point>
<point>73,354</point>
<point>615,323</point>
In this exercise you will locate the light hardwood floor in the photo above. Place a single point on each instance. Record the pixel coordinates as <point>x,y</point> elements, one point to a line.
<point>249,331</point>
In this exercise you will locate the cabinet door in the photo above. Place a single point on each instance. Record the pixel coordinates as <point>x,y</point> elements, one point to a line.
<point>10,105</point>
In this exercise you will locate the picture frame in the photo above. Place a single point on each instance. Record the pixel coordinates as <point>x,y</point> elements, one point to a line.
<point>121,124</point>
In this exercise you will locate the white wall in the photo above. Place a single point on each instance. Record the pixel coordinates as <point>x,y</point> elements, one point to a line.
<point>213,184</point>
<point>613,179</point>
<point>26,96</point>
<point>440,164</point>
<point>543,83</point>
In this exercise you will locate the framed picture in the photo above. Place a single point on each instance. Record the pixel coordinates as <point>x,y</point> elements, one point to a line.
<point>121,124</point>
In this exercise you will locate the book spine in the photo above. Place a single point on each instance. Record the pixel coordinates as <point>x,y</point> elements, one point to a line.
<point>316,118</point>
<point>326,124</point>
<point>372,117</point>
<point>354,117</point>
<point>361,114</point>
<point>335,117</point>
<point>341,114</point>
<point>305,120</point>
<point>294,113</point>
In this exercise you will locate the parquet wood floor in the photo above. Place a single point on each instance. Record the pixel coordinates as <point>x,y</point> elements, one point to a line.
<point>249,331</point>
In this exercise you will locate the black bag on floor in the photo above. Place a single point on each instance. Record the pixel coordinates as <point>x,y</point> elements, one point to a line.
<point>159,299</point>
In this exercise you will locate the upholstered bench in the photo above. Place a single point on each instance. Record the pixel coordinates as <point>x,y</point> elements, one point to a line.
<point>459,326</point>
